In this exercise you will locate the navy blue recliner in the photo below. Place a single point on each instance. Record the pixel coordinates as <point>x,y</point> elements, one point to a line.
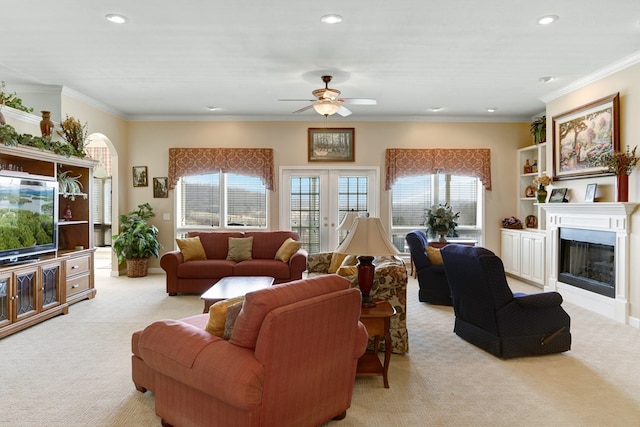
<point>432,279</point>
<point>491,317</point>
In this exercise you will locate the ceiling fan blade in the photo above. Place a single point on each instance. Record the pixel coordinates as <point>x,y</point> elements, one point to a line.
<point>305,100</point>
<point>308,107</point>
<point>344,111</point>
<point>360,101</point>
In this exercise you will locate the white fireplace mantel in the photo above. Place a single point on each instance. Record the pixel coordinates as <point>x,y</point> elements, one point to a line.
<point>612,217</point>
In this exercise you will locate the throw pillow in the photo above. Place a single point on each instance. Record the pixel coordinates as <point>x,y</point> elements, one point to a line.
<point>191,248</point>
<point>434,255</point>
<point>336,262</point>
<point>349,261</point>
<point>232,314</point>
<point>218,315</point>
<point>347,270</point>
<point>240,248</point>
<point>288,248</point>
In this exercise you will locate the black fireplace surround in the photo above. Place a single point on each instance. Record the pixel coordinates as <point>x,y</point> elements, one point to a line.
<point>587,260</point>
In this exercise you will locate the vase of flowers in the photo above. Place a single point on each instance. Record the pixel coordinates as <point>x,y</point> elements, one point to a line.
<point>441,221</point>
<point>512,222</point>
<point>541,193</point>
<point>620,163</point>
<point>75,133</point>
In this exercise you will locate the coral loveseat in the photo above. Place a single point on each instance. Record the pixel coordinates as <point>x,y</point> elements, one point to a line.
<point>290,360</point>
<point>196,276</point>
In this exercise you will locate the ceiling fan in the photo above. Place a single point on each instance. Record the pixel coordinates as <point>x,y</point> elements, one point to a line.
<point>328,101</point>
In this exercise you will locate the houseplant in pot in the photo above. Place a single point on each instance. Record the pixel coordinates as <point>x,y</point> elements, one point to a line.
<point>137,241</point>
<point>539,129</point>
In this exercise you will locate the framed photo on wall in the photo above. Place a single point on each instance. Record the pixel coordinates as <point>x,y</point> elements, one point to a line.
<point>331,145</point>
<point>160,188</point>
<point>140,176</point>
<point>583,133</point>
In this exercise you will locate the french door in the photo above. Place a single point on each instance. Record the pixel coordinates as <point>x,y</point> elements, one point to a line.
<point>314,202</point>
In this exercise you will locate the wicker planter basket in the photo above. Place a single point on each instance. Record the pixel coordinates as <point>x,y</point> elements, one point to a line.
<point>137,267</point>
<point>513,227</point>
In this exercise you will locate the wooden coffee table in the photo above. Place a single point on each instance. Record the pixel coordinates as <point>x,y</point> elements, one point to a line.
<point>234,286</point>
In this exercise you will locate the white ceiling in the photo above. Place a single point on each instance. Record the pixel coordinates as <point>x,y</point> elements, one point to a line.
<point>173,59</point>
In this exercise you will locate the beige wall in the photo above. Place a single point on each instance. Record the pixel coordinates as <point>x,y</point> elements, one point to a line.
<point>149,142</point>
<point>627,83</point>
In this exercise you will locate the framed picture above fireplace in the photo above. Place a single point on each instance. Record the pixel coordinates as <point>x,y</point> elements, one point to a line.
<point>583,133</point>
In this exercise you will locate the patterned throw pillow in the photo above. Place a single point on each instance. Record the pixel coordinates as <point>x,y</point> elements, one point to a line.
<point>240,248</point>
<point>232,314</point>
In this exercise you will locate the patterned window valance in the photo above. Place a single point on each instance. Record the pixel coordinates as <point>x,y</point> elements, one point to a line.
<point>199,161</point>
<point>401,162</point>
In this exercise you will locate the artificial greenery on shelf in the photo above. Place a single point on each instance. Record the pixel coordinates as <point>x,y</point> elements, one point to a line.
<point>12,100</point>
<point>11,138</point>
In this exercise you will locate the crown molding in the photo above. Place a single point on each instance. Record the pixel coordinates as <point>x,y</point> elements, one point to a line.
<point>66,91</point>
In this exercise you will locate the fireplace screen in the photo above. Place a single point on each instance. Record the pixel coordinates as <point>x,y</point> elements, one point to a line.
<point>587,260</point>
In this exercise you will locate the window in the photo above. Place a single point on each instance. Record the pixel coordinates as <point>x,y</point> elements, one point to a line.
<point>410,196</point>
<point>221,200</point>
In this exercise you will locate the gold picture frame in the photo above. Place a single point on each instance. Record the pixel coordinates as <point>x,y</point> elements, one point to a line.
<point>331,145</point>
<point>140,176</point>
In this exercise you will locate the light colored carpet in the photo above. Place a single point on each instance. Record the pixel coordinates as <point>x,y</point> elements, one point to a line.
<point>74,370</point>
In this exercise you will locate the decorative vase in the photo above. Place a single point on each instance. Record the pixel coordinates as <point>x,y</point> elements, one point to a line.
<point>46,125</point>
<point>442,238</point>
<point>622,188</point>
<point>541,194</point>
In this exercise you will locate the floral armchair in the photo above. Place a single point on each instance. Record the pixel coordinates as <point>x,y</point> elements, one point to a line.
<point>389,284</point>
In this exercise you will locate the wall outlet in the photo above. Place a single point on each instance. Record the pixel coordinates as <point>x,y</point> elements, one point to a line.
<point>166,216</point>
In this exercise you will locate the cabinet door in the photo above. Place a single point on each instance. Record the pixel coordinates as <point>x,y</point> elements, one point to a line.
<point>526,262</point>
<point>532,263</point>
<point>50,285</point>
<point>511,251</point>
<point>6,293</point>
<point>26,285</point>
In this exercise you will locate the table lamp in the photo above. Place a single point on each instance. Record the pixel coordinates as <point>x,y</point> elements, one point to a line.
<point>347,222</point>
<point>366,239</point>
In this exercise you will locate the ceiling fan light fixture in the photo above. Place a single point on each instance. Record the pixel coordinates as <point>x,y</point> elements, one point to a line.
<point>326,108</point>
<point>331,18</point>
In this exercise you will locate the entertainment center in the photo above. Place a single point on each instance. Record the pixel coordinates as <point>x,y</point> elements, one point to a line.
<point>46,238</point>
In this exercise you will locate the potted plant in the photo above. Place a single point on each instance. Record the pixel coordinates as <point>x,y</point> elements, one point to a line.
<point>539,129</point>
<point>137,241</point>
<point>621,164</point>
<point>440,220</point>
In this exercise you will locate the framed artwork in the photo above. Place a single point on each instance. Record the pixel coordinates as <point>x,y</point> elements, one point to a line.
<point>160,188</point>
<point>582,133</point>
<point>331,145</point>
<point>530,191</point>
<point>531,221</point>
<point>557,195</point>
<point>590,195</point>
<point>140,176</point>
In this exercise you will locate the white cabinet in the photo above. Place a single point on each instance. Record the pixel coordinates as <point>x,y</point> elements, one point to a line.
<point>532,161</point>
<point>523,254</point>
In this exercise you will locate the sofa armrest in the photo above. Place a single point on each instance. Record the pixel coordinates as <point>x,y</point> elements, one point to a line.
<point>319,262</point>
<point>298,264</point>
<point>170,261</point>
<point>539,300</point>
<point>201,360</point>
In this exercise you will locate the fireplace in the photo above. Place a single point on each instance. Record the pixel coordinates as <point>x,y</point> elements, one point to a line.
<point>588,256</point>
<point>587,260</point>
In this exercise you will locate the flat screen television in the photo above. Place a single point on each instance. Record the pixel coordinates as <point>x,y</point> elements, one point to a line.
<point>28,219</point>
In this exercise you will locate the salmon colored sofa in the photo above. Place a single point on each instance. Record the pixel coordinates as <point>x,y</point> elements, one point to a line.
<point>290,360</point>
<point>196,276</point>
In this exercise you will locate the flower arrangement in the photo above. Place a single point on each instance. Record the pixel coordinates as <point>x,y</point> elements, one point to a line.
<point>75,133</point>
<point>440,219</point>
<point>511,222</point>
<point>543,180</point>
<point>618,162</point>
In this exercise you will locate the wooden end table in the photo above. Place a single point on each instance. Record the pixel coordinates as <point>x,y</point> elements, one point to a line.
<point>234,286</point>
<point>377,320</point>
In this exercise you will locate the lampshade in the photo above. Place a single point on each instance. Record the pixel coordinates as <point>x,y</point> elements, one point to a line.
<point>347,221</point>
<point>326,107</point>
<point>367,237</point>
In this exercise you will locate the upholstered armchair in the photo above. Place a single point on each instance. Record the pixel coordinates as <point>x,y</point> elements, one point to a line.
<point>432,279</point>
<point>389,284</point>
<point>491,317</point>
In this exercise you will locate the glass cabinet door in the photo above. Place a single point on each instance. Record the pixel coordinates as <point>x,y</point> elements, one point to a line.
<point>5,300</point>
<point>50,285</point>
<point>26,282</point>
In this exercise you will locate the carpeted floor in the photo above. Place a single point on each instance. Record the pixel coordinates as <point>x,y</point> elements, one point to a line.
<point>74,370</point>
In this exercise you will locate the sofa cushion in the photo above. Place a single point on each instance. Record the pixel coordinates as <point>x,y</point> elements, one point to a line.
<point>267,243</point>
<point>435,258</point>
<point>336,262</point>
<point>218,315</point>
<point>191,248</point>
<point>259,303</point>
<point>215,243</point>
<point>240,248</point>
<point>262,267</point>
<point>347,270</point>
<point>206,269</point>
<point>288,248</point>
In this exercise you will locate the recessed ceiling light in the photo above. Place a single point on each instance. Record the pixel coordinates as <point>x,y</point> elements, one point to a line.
<point>546,79</point>
<point>548,19</point>
<point>211,108</point>
<point>492,109</point>
<point>116,18</point>
<point>331,18</point>
<point>436,109</point>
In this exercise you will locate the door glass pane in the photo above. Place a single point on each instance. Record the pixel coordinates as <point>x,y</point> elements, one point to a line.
<point>50,282</point>
<point>305,211</point>
<point>26,295</point>
<point>4,299</point>
<point>352,195</point>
